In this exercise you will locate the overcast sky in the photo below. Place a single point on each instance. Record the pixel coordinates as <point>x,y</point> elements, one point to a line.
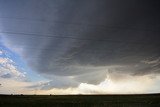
<point>79,46</point>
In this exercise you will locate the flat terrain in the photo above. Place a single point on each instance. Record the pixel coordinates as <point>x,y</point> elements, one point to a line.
<point>145,100</point>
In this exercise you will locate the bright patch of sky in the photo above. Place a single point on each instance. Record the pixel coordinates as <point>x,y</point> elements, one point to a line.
<point>6,53</point>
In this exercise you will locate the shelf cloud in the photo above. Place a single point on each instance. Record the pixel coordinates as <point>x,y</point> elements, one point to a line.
<point>82,41</point>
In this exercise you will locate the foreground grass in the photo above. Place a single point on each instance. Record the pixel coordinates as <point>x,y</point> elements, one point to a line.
<point>150,100</point>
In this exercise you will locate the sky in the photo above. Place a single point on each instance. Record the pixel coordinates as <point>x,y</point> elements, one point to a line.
<point>79,46</point>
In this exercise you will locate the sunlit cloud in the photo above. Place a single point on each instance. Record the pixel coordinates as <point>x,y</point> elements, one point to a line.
<point>62,47</point>
<point>1,52</point>
<point>129,85</point>
<point>9,70</point>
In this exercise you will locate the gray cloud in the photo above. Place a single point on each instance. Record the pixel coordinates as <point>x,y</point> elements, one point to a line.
<point>56,82</point>
<point>72,38</point>
<point>6,76</point>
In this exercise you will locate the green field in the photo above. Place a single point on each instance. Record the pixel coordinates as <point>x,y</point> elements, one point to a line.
<point>150,100</point>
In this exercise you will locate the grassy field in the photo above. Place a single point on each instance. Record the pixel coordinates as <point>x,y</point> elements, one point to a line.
<point>150,100</point>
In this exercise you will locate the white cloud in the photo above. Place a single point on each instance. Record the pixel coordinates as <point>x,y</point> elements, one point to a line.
<point>136,84</point>
<point>113,84</point>
<point>8,69</point>
<point>1,52</point>
<point>129,85</point>
<point>4,60</point>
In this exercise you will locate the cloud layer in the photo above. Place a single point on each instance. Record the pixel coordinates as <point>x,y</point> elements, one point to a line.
<point>9,70</point>
<point>74,42</point>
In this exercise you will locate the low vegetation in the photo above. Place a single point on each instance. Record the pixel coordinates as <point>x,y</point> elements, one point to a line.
<point>150,100</point>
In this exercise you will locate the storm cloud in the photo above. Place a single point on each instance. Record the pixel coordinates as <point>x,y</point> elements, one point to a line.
<point>84,39</point>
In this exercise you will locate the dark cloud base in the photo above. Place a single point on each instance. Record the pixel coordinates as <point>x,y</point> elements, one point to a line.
<point>72,38</point>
